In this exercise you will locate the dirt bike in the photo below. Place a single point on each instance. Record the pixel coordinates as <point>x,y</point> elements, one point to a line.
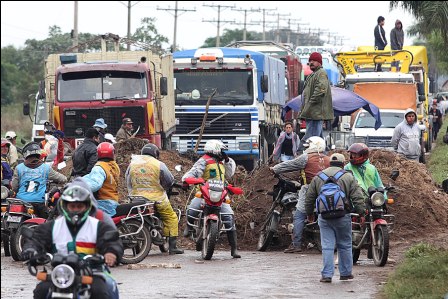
<point>279,219</point>
<point>70,276</point>
<point>209,223</point>
<point>373,235</point>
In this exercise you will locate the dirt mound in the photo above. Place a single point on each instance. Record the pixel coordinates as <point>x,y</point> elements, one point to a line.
<point>420,207</point>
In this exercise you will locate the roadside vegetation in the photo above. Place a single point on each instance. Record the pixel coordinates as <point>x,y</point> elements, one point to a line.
<point>14,120</point>
<point>422,274</point>
<point>438,160</point>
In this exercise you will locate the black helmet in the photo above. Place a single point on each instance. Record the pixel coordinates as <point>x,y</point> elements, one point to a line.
<point>360,149</point>
<point>151,149</point>
<point>75,193</point>
<point>30,149</point>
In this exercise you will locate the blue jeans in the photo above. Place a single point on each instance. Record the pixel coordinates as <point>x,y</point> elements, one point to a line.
<point>313,128</point>
<point>112,287</point>
<point>284,158</point>
<point>299,224</point>
<point>336,231</point>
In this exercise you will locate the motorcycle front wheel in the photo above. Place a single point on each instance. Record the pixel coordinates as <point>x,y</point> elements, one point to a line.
<point>136,246</point>
<point>381,250</point>
<point>267,233</point>
<point>208,245</point>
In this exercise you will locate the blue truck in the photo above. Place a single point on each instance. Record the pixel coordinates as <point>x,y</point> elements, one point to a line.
<point>244,113</point>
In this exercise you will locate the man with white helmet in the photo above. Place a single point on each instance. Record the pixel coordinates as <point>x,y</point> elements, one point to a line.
<point>13,156</point>
<point>310,163</point>
<point>214,164</point>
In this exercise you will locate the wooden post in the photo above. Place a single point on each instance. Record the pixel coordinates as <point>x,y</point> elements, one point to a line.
<point>204,120</point>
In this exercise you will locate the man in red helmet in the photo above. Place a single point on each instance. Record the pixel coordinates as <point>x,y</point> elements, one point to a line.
<point>364,172</point>
<point>103,179</point>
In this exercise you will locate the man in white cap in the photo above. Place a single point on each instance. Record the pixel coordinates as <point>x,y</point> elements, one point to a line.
<point>100,126</point>
<point>12,155</point>
<point>110,138</point>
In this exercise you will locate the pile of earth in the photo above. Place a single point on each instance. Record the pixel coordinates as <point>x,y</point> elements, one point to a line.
<point>420,206</point>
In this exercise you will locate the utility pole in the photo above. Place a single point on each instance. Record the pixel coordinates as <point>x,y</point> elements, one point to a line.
<point>298,32</point>
<point>219,21</point>
<point>176,14</point>
<point>289,29</point>
<point>264,21</point>
<point>245,18</point>
<point>129,5</point>
<point>75,29</point>
<point>277,35</point>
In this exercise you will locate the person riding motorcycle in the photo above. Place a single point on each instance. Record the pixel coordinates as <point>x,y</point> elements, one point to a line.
<point>6,167</point>
<point>76,231</point>
<point>13,155</point>
<point>364,172</point>
<point>104,178</point>
<point>310,163</point>
<point>30,179</point>
<point>147,176</point>
<point>214,164</point>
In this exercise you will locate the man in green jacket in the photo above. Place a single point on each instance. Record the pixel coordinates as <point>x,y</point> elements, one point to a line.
<point>317,104</point>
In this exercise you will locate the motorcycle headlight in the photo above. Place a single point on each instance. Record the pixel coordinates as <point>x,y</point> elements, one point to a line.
<point>63,276</point>
<point>5,192</point>
<point>215,196</point>
<point>377,199</point>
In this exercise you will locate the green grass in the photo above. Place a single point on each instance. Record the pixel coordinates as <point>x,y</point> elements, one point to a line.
<point>423,274</point>
<point>14,120</point>
<point>438,160</point>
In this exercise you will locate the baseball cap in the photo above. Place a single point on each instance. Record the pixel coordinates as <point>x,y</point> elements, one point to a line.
<point>127,120</point>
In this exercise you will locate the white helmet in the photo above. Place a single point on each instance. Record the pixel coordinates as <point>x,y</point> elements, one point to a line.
<point>314,144</point>
<point>10,135</point>
<point>214,147</point>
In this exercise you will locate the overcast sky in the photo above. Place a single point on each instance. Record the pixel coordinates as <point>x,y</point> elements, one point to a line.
<point>355,21</point>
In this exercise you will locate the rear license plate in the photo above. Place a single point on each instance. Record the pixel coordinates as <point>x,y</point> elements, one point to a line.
<point>14,218</point>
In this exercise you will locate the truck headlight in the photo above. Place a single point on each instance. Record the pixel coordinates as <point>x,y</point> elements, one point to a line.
<point>63,276</point>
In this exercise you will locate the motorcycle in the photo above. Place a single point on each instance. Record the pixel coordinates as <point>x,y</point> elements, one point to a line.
<point>209,223</point>
<point>279,220</point>
<point>373,235</point>
<point>70,276</point>
<point>5,193</point>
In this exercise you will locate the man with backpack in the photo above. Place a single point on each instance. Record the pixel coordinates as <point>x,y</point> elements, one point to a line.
<point>334,193</point>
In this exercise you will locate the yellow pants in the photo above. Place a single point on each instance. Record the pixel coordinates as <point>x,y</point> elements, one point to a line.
<point>169,218</point>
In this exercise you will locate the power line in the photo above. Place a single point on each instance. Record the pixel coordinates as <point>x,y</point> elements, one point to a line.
<point>219,21</point>
<point>251,10</point>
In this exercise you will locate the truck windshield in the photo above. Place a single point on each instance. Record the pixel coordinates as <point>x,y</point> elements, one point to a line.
<point>41,115</point>
<point>388,120</point>
<point>234,87</point>
<point>101,85</point>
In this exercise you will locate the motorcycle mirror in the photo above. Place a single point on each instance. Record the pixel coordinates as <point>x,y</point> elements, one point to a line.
<point>394,175</point>
<point>178,168</point>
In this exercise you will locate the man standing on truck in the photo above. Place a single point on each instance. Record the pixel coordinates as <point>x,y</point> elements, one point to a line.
<point>397,39</point>
<point>125,131</point>
<point>317,104</point>
<point>406,138</point>
<point>380,39</point>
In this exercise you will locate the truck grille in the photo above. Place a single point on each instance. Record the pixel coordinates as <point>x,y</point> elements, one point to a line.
<point>373,141</point>
<point>113,116</point>
<point>216,123</point>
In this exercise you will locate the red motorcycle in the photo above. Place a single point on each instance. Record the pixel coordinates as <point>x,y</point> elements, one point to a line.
<point>209,223</point>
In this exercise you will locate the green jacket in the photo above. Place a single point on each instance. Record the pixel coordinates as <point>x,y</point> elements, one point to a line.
<point>317,103</point>
<point>366,174</point>
<point>348,184</point>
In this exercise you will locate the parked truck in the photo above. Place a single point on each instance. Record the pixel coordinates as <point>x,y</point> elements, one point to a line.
<point>393,91</point>
<point>81,87</point>
<point>245,112</point>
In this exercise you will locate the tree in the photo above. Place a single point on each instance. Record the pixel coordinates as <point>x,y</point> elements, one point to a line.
<point>147,33</point>
<point>230,36</point>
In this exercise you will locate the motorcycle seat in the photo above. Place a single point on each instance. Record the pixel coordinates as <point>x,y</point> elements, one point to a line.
<point>124,209</point>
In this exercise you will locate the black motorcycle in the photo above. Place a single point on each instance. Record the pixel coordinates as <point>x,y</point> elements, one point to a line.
<point>279,220</point>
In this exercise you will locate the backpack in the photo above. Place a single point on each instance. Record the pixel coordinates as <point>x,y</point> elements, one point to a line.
<point>331,201</point>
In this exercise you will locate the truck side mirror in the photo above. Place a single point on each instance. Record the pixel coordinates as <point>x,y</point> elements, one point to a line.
<point>164,86</point>
<point>421,88</point>
<point>26,108</point>
<point>264,83</point>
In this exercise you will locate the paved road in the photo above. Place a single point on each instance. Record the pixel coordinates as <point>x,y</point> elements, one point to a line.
<point>255,275</point>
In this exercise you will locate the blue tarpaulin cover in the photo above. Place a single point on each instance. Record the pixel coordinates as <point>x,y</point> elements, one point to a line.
<point>345,102</point>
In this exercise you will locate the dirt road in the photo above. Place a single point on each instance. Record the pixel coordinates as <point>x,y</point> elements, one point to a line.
<point>255,275</point>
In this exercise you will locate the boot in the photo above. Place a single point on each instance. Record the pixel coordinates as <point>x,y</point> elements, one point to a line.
<point>173,247</point>
<point>231,235</point>
<point>188,230</point>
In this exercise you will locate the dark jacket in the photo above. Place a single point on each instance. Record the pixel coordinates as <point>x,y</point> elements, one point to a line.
<point>397,37</point>
<point>317,103</point>
<point>85,157</point>
<point>380,37</point>
<point>42,240</point>
<point>348,184</point>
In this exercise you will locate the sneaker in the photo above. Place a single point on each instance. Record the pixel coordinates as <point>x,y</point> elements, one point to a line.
<point>325,279</point>
<point>292,249</point>
<point>346,277</point>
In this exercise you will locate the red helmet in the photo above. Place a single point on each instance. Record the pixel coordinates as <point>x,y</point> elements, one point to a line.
<point>362,150</point>
<point>106,150</point>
